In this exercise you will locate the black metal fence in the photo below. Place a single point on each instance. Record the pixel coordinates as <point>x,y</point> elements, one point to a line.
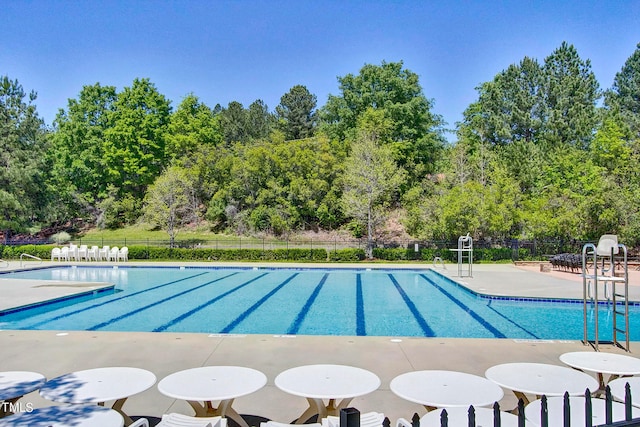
<point>519,249</point>
<point>544,420</point>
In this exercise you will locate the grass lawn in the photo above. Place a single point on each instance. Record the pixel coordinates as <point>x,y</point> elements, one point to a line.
<point>142,233</point>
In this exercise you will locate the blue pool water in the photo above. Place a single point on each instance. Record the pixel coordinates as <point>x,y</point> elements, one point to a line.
<point>299,301</point>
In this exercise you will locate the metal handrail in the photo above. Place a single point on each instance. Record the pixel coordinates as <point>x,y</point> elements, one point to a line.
<point>29,256</point>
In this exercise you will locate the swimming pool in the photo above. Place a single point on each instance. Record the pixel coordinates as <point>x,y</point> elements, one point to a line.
<point>305,301</point>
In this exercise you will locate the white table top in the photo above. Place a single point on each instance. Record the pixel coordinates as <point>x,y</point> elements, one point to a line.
<point>459,416</point>
<point>618,390</point>
<point>541,378</point>
<point>209,383</point>
<point>327,381</point>
<point>601,362</point>
<point>446,389</point>
<point>65,416</point>
<point>18,383</point>
<point>98,385</point>
<point>555,406</point>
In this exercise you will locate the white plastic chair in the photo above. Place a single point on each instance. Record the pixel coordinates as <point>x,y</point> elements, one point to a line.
<point>179,420</point>
<point>103,254</point>
<point>92,253</point>
<point>83,253</point>
<point>55,254</point>
<point>113,254</point>
<point>64,254</point>
<point>123,254</point>
<point>73,252</point>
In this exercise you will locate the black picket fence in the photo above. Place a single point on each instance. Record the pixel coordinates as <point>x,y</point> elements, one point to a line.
<point>544,420</point>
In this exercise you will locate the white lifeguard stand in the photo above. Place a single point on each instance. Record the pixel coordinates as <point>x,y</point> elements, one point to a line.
<point>602,260</point>
<point>465,256</point>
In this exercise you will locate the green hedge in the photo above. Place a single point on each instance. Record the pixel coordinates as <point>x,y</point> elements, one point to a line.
<point>347,255</point>
<point>317,255</point>
<point>14,252</point>
<point>428,254</point>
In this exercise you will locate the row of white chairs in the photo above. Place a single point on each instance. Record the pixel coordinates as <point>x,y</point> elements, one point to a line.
<point>93,253</point>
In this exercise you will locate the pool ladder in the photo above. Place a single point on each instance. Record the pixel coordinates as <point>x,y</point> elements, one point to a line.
<point>616,297</point>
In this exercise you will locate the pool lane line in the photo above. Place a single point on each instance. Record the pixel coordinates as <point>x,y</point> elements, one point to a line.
<point>511,321</point>
<point>62,316</point>
<point>488,326</point>
<point>148,306</point>
<point>206,304</point>
<point>361,329</point>
<point>231,326</point>
<point>295,326</point>
<point>428,332</point>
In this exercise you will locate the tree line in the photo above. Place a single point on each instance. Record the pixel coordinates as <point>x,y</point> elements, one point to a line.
<point>543,152</point>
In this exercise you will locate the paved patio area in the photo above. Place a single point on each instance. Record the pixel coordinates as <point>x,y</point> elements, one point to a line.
<point>54,353</point>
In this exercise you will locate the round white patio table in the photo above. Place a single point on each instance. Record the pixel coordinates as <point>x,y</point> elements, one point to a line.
<point>540,379</point>
<point>64,416</point>
<point>618,389</point>
<point>14,385</point>
<point>459,416</point>
<point>555,407</point>
<point>317,383</point>
<point>443,389</point>
<point>612,364</point>
<point>213,383</point>
<point>99,385</point>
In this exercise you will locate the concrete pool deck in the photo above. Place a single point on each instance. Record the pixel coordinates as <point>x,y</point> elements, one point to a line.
<point>53,353</point>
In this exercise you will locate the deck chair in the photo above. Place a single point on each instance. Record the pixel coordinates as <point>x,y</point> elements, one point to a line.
<point>123,254</point>
<point>92,253</point>
<point>103,254</point>
<point>64,254</point>
<point>113,254</point>
<point>179,420</point>
<point>83,253</point>
<point>55,254</point>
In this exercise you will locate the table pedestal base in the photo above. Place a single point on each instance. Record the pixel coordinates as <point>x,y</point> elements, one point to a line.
<point>117,406</point>
<point>224,409</point>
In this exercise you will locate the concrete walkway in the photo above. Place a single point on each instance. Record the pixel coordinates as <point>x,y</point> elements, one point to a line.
<point>53,353</point>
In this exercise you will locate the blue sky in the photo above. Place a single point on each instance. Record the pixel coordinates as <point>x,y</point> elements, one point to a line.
<point>225,51</point>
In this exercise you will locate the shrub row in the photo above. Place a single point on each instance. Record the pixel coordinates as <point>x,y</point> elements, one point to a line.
<point>318,255</point>
<point>428,254</point>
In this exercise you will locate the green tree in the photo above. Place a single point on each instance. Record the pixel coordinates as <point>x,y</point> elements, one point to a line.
<point>233,121</point>
<point>416,134</point>
<point>23,167</point>
<point>371,179</point>
<point>571,92</point>
<point>191,125</point>
<point>510,108</point>
<point>80,171</point>
<point>168,202</point>
<point>296,113</point>
<point>135,149</point>
<point>260,121</point>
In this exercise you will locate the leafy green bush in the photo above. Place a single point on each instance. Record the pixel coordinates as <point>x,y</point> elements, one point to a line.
<point>14,252</point>
<point>347,255</point>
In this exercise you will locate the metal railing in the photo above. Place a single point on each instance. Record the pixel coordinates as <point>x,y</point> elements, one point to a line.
<point>29,256</point>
